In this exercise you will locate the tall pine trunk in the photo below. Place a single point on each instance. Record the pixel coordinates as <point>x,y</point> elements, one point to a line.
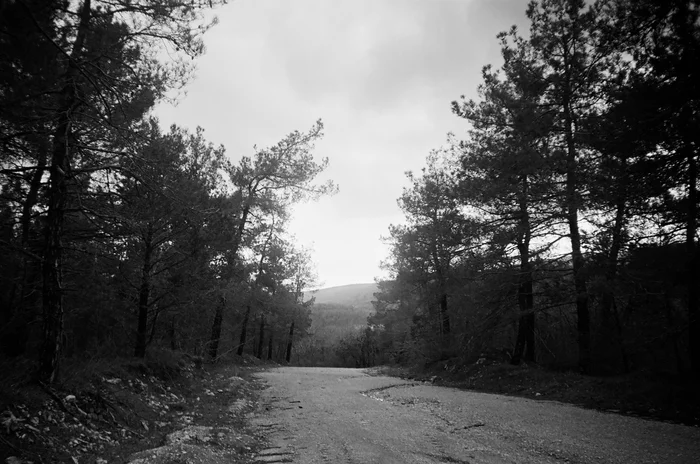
<point>219,315</point>
<point>172,334</point>
<point>444,315</point>
<point>23,293</point>
<point>144,296</point>
<point>609,316</point>
<point>583,324</point>
<point>261,337</point>
<point>693,272</point>
<point>216,329</point>
<point>442,298</point>
<point>525,342</point>
<point>52,266</point>
<point>244,331</point>
<point>288,357</point>
<point>32,195</point>
<point>269,345</point>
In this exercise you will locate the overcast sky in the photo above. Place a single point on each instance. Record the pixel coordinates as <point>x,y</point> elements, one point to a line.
<point>380,74</point>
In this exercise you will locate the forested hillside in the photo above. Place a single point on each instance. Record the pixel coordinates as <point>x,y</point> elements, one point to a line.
<point>119,237</point>
<point>338,316</point>
<point>562,227</point>
<point>358,296</point>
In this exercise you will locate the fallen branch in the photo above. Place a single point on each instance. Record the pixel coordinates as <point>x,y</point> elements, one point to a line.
<point>56,398</point>
<point>10,444</point>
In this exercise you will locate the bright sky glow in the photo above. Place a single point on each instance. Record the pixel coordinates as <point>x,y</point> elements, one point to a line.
<point>380,73</point>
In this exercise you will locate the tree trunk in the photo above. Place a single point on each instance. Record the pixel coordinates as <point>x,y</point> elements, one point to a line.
<point>288,357</point>
<point>582,312</point>
<point>445,316</point>
<point>578,262</point>
<point>144,296</point>
<point>172,334</point>
<point>216,329</point>
<point>154,326</point>
<point>609,316</point>
<point>525,343</point>
<point>244,331</point>
<point>219,315</point>
<point>24,289</point>
<point>32,196</point>
<point>261,337</point>
<point>52,266</point>
<point>269,346</point>
<point>693,273</point>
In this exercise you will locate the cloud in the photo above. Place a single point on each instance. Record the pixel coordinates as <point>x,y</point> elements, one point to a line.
<point>380,73</point>
<point>378,53</point>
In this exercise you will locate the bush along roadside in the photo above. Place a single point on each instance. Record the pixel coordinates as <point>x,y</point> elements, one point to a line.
<point>166,408</point>
<point>670,399</point>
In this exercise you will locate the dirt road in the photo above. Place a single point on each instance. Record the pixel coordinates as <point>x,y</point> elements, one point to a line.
<point>322,415</point>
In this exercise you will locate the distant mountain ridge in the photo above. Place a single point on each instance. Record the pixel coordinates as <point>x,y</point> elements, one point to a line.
<point>357,296</point>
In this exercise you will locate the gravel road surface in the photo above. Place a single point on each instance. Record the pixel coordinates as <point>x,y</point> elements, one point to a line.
<point>324,415</point>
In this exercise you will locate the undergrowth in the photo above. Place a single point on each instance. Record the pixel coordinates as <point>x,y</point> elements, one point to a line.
<point>97,404</point>
<point>642,394</point>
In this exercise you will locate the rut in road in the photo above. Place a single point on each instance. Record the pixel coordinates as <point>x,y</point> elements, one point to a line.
<point>273,455</point>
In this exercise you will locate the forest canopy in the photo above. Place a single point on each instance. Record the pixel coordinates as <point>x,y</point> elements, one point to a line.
<point>117,235</point>
<point>562,228</point>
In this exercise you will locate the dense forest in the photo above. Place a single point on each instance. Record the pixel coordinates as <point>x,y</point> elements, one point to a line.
<point>120,238</point>
<point>562,228</point>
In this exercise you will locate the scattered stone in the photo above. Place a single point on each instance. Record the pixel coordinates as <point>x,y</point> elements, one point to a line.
<point>238,406</point>
<point>95,420</point>
<point>190,434</point>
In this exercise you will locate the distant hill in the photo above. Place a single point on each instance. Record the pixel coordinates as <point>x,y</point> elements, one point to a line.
<point>357,296</point>
<point>337,313</point>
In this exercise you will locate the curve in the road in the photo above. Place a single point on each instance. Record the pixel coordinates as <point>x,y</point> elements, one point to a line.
<point>323,415</point>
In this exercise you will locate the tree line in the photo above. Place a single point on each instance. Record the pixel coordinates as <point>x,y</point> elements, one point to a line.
<point>562,228</point>
<point>117,235</point>
<point>332,339</point>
